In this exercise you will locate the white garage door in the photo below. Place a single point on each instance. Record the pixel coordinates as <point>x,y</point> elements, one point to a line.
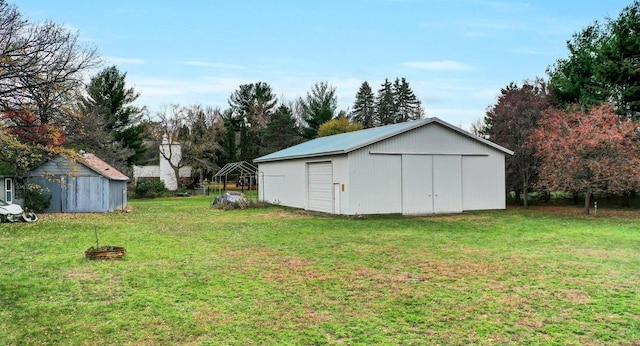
<point>320,187</point>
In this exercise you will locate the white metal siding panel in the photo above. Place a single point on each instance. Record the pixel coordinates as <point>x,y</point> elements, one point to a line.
<point>376,184</point>
<point>483,183</point>
<point>320,187</point>
<point>340,167</point>
<point>283,182</point>
<point>431,139</point>
<point>417,184</point>
<point>436,139</point>
<point>447,184</point>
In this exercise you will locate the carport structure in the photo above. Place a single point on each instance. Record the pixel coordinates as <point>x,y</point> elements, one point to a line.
<point>246,173</point>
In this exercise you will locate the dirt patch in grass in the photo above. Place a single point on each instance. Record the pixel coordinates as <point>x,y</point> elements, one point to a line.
<point>578,211</point>
<point>432,269</point>
<point>484,220</point>
<point>249,253</point>
<point>282,215</point>
<point>81,274</point>
<point>576,297</point>
<point>602,253</point>
<point>68,216</point>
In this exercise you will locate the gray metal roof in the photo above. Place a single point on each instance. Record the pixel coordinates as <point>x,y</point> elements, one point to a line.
<point>346,142</point>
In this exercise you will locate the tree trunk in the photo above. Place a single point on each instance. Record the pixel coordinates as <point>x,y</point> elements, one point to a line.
<point>587,200</point>
<point>525,196</point>
<point>176,171</point>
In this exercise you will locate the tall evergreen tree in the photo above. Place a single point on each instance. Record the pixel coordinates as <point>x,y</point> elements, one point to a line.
<point>407,105</point>
<point>252,106</point>
<point>248,147</point>
<point>575,80</point>
<point>620,64</point>
<point>282,132</point>
<point>318,107</point>
<point>364,107</point>
<point>253,103</point>
<point>602,66</point>
<point>226,136</point>
<point>385,104</point>
<point>109,97</point>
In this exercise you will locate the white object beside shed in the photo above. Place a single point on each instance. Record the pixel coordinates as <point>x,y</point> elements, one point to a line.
<point>420,167</point>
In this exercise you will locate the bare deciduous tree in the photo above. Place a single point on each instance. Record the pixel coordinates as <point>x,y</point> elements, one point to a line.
<point>41,66</point>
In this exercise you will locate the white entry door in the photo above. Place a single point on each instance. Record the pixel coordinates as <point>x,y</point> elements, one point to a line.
<point>320,187</point>
<point>417,184</point>
<point>8,190</point>
<point>447,183</point>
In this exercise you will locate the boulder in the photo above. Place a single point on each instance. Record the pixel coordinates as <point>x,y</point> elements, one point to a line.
<point>231,199</point>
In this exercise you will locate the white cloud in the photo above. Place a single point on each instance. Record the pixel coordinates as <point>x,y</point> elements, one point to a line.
<point>217,65</point>
<point>461,117</point>
<point>530,51</point>
<point>485,94</point>
<point>125,61</point>
<point>443,65</point>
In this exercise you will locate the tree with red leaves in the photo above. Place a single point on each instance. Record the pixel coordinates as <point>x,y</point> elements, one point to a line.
<point>594,151</point>
<point>28,129</point>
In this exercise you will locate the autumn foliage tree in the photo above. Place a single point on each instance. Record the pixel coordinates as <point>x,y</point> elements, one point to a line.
<point>594,151</point>
<point>337,126</point>
<point>29,129</point>
<point>25,141</point>
<point>510,123</point>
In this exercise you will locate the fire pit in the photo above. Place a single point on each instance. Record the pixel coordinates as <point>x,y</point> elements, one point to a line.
<point>105,252</point>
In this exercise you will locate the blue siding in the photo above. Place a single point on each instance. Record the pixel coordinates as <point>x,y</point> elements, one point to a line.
<point>83,194</point>
<point>117,195</point>
<point>86,194</point>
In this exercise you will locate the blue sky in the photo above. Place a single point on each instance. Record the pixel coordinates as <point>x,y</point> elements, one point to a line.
<point>456,54</point>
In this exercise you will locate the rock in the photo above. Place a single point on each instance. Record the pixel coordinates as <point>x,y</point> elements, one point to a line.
<point>231,199</point>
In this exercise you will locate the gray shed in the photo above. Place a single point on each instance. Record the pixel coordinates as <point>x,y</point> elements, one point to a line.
<point>86,184</point>
<point>425,166</point>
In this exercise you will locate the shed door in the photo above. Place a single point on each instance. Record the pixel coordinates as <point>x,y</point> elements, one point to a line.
<point>447,184</point>
<point>417,184</point>
<point>320,187</point>
<point>85,194</point>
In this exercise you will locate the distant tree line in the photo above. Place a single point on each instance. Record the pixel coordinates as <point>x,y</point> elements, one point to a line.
<point>578,131</point>
<point>46,108</point>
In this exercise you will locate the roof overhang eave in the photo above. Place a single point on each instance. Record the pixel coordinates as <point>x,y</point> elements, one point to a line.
<point>294,157</point>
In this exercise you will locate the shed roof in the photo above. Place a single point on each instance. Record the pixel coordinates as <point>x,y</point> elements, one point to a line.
<point>102,168</point>
<point>93,163</point>
<point>346,142</point>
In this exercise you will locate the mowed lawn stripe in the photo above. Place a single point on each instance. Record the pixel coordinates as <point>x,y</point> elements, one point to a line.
<point>197,275</point>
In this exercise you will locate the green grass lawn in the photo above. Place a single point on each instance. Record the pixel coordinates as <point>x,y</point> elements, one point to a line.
<point>196,275</point>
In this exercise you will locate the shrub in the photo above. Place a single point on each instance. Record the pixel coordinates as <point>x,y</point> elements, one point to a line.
<point>149,188</point>
<point>36,197</point>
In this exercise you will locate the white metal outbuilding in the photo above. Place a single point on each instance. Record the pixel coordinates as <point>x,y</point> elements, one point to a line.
<point>425,166</point>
